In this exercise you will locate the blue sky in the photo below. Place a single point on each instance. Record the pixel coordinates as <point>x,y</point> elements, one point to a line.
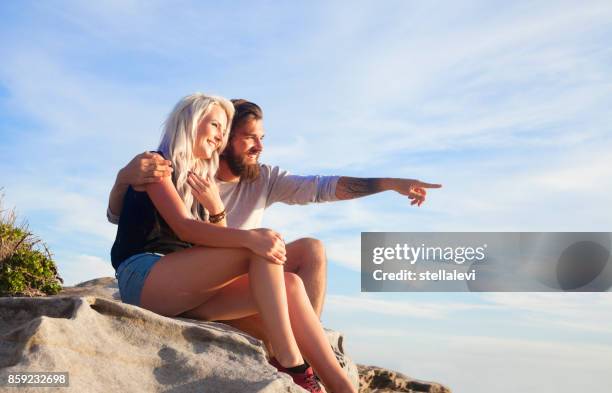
<point>505,103</point>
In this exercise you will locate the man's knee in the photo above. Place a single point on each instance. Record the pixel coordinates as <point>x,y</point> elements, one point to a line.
<point>312,247</point>
<point>306,253</point>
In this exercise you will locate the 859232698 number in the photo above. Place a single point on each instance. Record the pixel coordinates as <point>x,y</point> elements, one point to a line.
<point>42,379</point>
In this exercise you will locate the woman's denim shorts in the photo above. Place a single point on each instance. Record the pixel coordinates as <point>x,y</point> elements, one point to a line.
<point>132,273</point>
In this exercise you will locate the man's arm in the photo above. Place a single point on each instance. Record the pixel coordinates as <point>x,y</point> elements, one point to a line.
<point>357,187</point>
<point>145,168</point>
<point>115,199</point>
<point>292,189</point>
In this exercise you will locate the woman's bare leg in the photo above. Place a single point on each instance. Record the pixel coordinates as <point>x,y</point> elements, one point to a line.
<point>234,300</point>
<point>312,339</point>
<point>305,257</point>
<point>185,279</point>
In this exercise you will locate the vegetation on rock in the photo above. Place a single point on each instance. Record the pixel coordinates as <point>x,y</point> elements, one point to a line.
<point>26,264</point>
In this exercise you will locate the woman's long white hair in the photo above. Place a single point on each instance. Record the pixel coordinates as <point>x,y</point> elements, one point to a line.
<point>179,137</point>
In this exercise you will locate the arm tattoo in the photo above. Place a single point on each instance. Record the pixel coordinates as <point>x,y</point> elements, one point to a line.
<point>356,187</point>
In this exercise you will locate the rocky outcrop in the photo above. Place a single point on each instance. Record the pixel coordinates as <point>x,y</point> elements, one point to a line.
<point>108,346</point>
<point>379,380</point>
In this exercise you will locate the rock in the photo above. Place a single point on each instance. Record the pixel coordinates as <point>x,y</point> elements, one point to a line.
<point>108,346</point>
<point>104,287</point>
<point>336,340</point>
<point>379,380</point>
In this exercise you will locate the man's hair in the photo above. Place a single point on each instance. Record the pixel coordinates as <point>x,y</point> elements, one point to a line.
<point>244,111</point>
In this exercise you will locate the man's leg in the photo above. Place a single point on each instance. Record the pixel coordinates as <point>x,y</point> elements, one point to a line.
<point>305,257</point>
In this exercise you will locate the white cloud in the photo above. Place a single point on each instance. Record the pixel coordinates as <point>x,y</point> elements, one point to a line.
<point>365,304</point>
<point>557,313</point>
<point>345,251</point>
<point>520,72</point>
<point>73,213</point>
<point>77,268</point>
<point>587,312</point>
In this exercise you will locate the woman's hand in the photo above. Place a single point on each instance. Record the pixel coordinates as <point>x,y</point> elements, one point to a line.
<point>145,168</point>
<point>205,190</point>
<point>268,244</point>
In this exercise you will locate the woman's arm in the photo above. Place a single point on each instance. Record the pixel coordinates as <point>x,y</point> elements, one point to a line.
<point>168,203</point>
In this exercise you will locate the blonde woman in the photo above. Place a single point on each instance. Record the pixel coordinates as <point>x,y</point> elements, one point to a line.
<point>174,256</point>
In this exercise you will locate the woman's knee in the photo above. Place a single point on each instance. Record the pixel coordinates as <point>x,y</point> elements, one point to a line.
<point>294,284</point>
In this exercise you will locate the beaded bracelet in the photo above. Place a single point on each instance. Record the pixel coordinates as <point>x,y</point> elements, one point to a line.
<point>215,218</point>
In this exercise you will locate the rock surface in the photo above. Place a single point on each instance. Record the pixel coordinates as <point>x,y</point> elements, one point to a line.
<point>379,380</point>
<point>109,346</point>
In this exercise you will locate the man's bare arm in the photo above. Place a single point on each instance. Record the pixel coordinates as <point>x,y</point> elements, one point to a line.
<point>115,199</point>
<point>357,187</point>
<point>143,169</point>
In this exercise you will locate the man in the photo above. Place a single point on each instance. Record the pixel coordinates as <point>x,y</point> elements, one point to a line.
<point>247,188</point>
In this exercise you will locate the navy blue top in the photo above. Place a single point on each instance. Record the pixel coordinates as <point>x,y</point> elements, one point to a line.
<point>142,229</point>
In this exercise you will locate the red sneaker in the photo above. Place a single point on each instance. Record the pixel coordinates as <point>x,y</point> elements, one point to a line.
<point>306,379</point>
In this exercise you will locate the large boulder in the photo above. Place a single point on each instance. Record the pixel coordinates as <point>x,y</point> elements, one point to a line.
<point>108,346</point>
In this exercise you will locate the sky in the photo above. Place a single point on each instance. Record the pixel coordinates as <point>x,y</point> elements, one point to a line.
<point>504,103</point>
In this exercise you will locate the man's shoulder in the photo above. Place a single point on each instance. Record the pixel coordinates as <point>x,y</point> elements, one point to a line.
<point>265,168</point>
<point>268,172</point>
<point>268,168</point>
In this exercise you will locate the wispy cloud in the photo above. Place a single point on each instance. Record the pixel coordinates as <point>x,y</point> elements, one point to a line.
<point>76,268</point>
<point>73,212</point>
<point>500,83</point>
<point>368,304</point>
<point>568,311</point>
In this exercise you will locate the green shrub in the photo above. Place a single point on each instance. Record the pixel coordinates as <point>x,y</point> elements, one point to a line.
<point>26,265</point>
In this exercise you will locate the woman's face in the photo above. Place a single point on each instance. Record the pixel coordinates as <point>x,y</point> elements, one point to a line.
<point>210,131</point>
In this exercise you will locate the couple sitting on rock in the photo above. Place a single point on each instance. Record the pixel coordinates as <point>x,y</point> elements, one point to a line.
<point>189,244</point>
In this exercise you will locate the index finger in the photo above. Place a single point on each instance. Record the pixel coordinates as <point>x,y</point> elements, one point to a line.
<point>427,185</point>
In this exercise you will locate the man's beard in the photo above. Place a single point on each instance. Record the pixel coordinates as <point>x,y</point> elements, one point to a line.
<point>239,167</point>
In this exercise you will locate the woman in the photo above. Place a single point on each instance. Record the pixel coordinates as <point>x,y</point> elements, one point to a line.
<point>227,273</point>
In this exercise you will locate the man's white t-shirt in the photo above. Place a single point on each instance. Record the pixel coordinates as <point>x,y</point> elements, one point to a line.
<point>245,201</point>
